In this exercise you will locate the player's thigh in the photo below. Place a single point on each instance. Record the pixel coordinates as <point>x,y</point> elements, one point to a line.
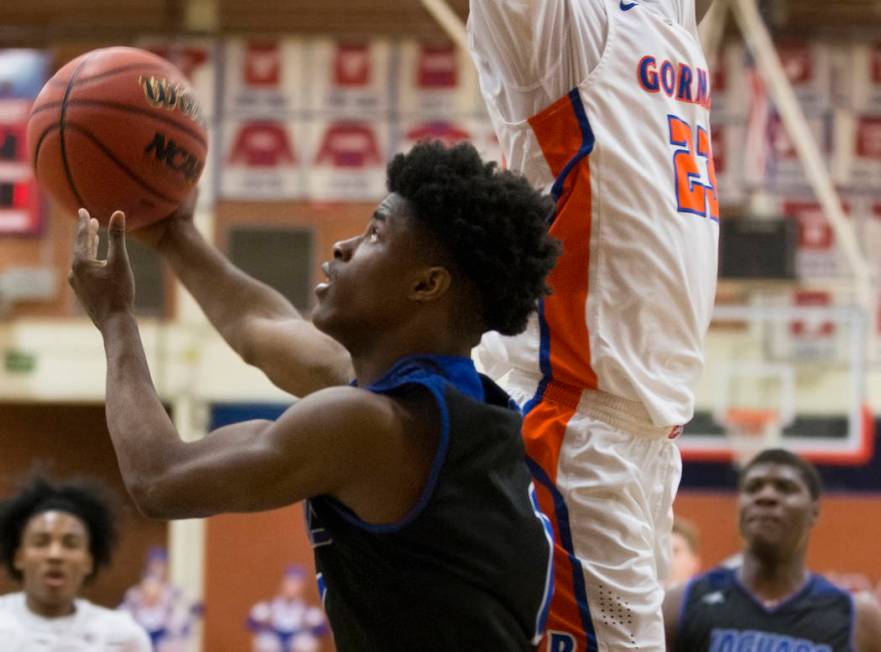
<point>613,489</point>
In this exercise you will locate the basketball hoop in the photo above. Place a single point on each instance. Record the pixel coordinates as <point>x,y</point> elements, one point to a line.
<point>751,431</point>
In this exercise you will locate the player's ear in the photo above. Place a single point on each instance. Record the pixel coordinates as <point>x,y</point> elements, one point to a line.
<point>431,284</point>
<point>17,562</point>
<point>90,566</point>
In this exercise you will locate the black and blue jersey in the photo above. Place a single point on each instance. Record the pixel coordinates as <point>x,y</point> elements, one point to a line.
<point>719,614</point>
<point>468,568</point>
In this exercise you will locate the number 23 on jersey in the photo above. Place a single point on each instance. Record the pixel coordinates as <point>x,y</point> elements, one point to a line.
<point>695,192</point>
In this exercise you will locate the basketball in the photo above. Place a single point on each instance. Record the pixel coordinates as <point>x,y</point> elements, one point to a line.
<point>117,129</point>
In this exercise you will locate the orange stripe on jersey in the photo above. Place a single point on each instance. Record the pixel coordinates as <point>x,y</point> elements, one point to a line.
<point>566,140</point>
<point>544,428</point>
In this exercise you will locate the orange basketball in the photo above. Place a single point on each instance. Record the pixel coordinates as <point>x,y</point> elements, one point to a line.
<point>118,129</point>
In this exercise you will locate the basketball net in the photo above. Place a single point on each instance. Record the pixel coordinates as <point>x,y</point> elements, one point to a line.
<point>750,431</point>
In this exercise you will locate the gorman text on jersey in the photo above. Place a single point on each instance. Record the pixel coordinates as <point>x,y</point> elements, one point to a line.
<point>676,80</point>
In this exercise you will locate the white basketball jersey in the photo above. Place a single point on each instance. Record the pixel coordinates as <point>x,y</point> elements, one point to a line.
<point>605,103</point>
<point>89,629</point>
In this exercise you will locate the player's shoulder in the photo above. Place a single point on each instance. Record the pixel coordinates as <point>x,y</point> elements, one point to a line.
<point>8,604</point>
<point>717,578</point>
<point>118,626</point>
<point>344,402</point>
<point>821,585</point>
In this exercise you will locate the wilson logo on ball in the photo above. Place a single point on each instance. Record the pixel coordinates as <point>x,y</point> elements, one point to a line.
<point>175,157</point>
<point>165,94</point>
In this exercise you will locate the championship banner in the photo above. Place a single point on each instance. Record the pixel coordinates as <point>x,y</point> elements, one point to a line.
<point>346,159</point>
<point>437,79</point>
<point>857,162</point>
<point>264,77</point>
<point>22,75</point>
<point>818,255</point>
<point>808,65</point>
<point>349,77</point>
<point>262,160</point>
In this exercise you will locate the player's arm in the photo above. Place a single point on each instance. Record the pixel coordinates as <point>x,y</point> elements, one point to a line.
<point>341,441</point>
<point>867,632</point>
<point>672,604</point>
<point>253,318</point>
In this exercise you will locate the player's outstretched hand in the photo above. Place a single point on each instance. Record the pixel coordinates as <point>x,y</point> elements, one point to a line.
<point>153,234</point>
<point>103,287</point>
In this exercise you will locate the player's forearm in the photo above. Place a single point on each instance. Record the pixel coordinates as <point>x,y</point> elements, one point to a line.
<point>143,436</point>
<point>227,296</point>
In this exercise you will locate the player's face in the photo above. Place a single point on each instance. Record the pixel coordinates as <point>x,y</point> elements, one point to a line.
<point>371,275</point>
<point>54,559</point>
<point>776,509</point>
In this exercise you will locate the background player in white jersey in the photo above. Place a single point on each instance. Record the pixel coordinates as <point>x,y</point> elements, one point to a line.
<point>606,104</point>
<point>53,539</point>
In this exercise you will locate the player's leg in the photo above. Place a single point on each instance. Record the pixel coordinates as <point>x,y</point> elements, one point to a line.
<point>602,488</point>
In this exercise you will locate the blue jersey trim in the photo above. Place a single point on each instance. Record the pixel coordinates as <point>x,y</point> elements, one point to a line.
<point>544,359</point>
<point>459,371</point>
<point>683,605</point>
<point>433,373</point>
<point>562,513</point>
<point>852,640</point>
<point>542,618</point>
<point>322,587</point>
<point>799,593</point>
<point>587,143</point>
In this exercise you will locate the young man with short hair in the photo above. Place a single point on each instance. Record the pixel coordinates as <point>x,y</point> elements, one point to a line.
<point>421,508</point>
<point>771,601</point>
<point>53,539</point>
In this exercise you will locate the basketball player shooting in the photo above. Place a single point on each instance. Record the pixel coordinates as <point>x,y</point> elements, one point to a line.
<point>421,510</point>
<point>606,104</point>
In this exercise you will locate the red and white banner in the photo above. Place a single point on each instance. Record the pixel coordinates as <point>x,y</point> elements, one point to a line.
<point>262,159</point>
<point>818,255</point>
<point>263,76</point>
<point>808,65</point>
<point>346,159</point>
<point>437,79</point>
<point>352,77</point>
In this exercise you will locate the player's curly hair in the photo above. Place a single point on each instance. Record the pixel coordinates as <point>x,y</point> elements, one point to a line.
<point>85,499</point>
<point>491,222</point>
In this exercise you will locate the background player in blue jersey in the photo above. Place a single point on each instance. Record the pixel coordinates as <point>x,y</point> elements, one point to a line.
<point>423,521</point>
<point>772,601</point>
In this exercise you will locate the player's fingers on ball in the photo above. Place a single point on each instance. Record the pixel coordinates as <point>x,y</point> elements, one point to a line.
<point>81,233</point>
<point>116,230</point>
<point>93,238</point>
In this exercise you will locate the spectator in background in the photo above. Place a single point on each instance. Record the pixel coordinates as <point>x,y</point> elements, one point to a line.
<point>53,539</point>
<point>287,623</point>
<point>160,607</point>
<point>771,601</point>
<point>685,544</point>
